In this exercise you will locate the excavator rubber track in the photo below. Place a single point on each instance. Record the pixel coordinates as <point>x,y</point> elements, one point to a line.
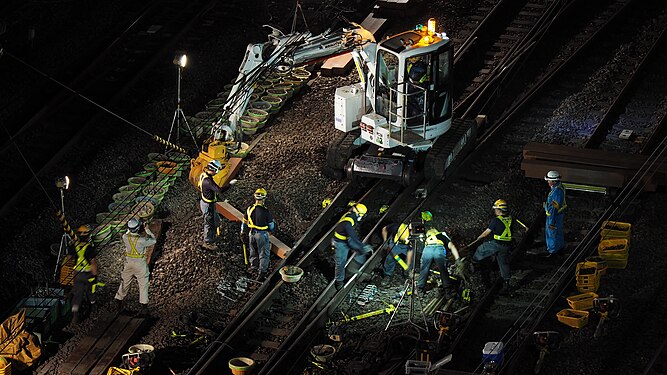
<point>449,150</point>
<point>341,150</point>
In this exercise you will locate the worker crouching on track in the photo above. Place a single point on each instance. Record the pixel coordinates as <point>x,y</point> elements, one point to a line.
<point>85,269</point>
<point>501,244</point>
<point>258,222</point>
<point>435,250</point>
<point>137,238</point>
<point>346,238</point>
<point>399,244</point>
<point>210,192</point>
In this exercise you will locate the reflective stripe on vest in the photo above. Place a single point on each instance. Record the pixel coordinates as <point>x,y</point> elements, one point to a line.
<point>433,240</point>
<point>202,176</point>
<point>402,232</point>
<point>252,225</point>
<point>342,219</point>
<point>558,209</point>
<point>507,234</point>
<point>133,246</point>
<point>82,264</point>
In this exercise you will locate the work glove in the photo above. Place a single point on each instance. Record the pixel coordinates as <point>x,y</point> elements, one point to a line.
<point>233,181</point>
<point>368,250</point>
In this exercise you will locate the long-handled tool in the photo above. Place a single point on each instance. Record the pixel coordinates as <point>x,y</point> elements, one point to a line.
<point>245,254</point>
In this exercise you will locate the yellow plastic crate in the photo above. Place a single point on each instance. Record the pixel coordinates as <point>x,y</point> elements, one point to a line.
<point>615,229</point>
<point>584,288</point>
<point>587,273</point>
<point>66,276</point>
<point>600,264</point>
<point>582,301</point>
<point>615,249</point>
<point>618,263</point>
<point>573,318</point>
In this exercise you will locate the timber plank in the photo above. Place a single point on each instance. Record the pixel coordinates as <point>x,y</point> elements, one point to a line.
<point>86,343</point>
<point>342,65</point>
<point>118,345</point>
<point>101,345</point>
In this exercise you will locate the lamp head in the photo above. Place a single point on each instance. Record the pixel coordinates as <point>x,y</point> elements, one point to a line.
<point>181,60</point>
<point>62,183</point>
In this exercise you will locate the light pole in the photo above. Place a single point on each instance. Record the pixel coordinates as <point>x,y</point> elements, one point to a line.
<point>62,183</point>
<point>181,61</point>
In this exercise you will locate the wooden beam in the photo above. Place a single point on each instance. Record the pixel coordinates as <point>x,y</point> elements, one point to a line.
<point>80,351</point>
<point>342,65</point>
<point>232,214</point>
<point>118,347</point>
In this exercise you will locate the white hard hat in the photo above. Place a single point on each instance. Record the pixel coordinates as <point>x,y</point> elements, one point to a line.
<point>552,176</point>
<point>214,166</point>
<point>133,225</point>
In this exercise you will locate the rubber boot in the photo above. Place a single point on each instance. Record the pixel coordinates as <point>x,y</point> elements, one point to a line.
<point>339,285</point>
<point>75,317</point>
<point>143,311</point>
<point>119,305</point>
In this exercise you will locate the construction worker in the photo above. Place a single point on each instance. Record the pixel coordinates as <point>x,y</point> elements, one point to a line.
<point>501,244</point>
<point>399,244</point>
<point>417,72</point>
<point>210,193</point>
<point>435,250</point>
<point>137,238</point>
<point>554,208</point>
<point>85,269</point>
<point>258,222</point>
<point>345,238</point>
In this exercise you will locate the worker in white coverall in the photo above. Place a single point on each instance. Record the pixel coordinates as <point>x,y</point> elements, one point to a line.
<point>136,265</point>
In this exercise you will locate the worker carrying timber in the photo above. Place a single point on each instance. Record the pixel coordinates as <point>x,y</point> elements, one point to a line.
<point>436,245</point>
<point>501,244</point>
<point>137,238</point>
<point>257,223</point>
<point>210,194</point>
<point>85,270</point>
<point>345,238</point>
<point>554,208</point>
<point>399,244</point>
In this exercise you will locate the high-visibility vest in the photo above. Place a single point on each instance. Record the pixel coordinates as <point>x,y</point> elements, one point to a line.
<point>402,234</point>
<point>82,264</point>
<point>202,176</point>
<point>507,233</point>
<point>250,223</point>
<point>348,218</point>
<point>132,239</point>
<point>433,240</point>
<point>558,209</point>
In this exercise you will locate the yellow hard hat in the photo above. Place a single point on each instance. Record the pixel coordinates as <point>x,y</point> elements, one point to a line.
<point>326,202</point>
<point>427,215</point>
<point>500,204</point>
<point>84,230</point>
<point>383,209</point>
<point>360,209</point>
<point>260,193</point>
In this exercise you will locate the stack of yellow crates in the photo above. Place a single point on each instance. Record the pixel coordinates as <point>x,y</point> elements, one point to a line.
<point>588,277</point>
<point>615,244</point>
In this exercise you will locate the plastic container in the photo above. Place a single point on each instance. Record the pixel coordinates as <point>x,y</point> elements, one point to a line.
<point>258,114</point>
<point>615,229</point>
<point>102,234</point>
<point>241,365</point>
<point>614,249</point>
<point>101,217</point>
<point>166,167</point>
<point>494,351</point>
<point>582,301</point>
<point>242,152</point>
<point>136,181</point>
<point>323,352</point>
<point>291,274</point>
<point>573,318</point>
<point>275,102</point>
<point>144,210</point>
<point>260,104</point>
<point>5,366</point>
<point>600,264</point>
<point>146,352</point>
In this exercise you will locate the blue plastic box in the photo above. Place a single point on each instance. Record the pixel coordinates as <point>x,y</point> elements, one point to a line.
<point>494,351</point>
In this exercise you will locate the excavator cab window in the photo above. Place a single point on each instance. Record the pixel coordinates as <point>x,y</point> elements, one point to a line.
<point>441,109</point>
<point>387,67</point>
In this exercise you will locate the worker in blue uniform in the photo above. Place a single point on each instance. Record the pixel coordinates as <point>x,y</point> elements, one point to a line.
<point>258,222</point>
<point>345,238</point>
<point>554,208</point>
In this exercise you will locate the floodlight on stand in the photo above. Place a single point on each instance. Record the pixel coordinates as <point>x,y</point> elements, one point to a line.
<point>181,60</point>
<point>62,183</point>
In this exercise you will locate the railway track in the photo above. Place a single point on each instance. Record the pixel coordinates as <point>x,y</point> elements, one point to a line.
<point>55,129</point>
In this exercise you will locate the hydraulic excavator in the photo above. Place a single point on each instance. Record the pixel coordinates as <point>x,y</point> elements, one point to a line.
<point>391,126</point>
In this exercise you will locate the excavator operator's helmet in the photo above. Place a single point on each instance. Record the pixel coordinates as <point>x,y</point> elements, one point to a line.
<point>134,225</point>
<point>501,205</point>
<point>84,230</point>
<point>214,166</point>
<point>260,194</point>
<point>360,209</point>
<point>417,72</point>
<point>552,176</point>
